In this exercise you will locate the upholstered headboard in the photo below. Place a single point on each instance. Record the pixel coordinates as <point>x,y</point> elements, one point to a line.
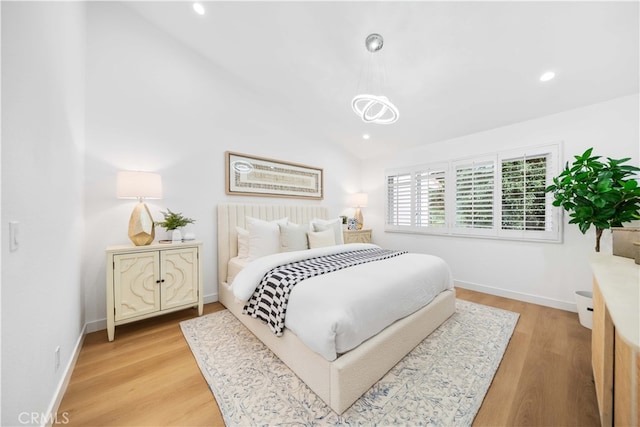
<point>231,215</point>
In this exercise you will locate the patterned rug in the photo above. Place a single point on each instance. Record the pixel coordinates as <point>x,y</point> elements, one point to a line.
<point>441,382</point>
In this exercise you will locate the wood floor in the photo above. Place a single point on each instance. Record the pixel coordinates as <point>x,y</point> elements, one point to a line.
<point>148,376</point>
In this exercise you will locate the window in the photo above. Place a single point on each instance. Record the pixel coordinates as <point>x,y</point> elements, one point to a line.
<point>399,199</point>
<point>416,198</point>
<point>474,195</point>
<point>499,195</point>
<point>523,196</point>
<point>430,186</point>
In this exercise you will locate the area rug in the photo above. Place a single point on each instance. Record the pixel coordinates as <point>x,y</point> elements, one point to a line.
<point>441,382</point>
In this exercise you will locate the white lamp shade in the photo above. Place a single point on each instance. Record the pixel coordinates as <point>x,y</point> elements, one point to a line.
<point>359,200</point>
<point>139,185</point>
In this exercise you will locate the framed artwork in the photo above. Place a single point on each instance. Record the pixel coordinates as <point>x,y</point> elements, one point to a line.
<point>352,224</point>
<point>258,176</point>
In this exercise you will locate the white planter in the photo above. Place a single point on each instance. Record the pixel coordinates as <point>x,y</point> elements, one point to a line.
<point>176,236</point>
<point>584,301</point>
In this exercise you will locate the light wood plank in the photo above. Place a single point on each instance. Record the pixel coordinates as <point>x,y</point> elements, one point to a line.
<point>602,361</point>
<point>545,376</point>
<point>636,406</point>
<point>623,383</point>
<point>148,376</point>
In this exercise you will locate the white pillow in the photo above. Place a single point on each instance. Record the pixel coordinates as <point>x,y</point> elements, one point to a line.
<point>243,242</point>
<point>320,239</point>
<point>293,237</point>
<point>264,237</point>
<point>332,224</point>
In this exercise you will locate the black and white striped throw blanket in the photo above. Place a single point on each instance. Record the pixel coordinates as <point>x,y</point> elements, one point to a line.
<point>270,299</point>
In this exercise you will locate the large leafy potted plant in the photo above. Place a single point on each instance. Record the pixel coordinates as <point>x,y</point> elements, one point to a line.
<point>602,194</point>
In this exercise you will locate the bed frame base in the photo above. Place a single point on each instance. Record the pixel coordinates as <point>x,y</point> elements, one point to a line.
<point>341,382</point>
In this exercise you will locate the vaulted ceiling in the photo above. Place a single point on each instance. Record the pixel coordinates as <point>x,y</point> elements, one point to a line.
<point>452,68</point>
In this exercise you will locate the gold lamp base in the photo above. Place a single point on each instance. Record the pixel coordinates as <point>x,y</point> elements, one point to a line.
<point>141,228</point>
<point>359,218</point>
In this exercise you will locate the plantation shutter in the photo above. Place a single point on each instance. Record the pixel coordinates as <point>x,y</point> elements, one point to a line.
<point>499,195</point>
<point>399,203</point>
<point>523,198</point>
<point>526,210</point>
<point>430,198</point>
<point>474,195</point>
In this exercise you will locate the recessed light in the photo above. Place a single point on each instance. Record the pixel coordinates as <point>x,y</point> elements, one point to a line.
<point>366,136</point>
<point>547,76</point>
<point>199,8</point>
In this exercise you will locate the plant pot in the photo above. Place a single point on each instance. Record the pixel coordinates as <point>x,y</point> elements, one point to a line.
<point>623,239</point>
<point>584,302</point>
<point>176,236</point>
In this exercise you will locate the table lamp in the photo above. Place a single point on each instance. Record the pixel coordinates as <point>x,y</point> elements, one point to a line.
<point>140,186</point>
<point>359,200</point>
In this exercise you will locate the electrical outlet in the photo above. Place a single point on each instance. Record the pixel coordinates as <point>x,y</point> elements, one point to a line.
<point>14,242</point>
<point>57,359</point>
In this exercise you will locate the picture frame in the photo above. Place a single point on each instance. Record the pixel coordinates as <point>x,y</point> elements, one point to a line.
<point>248,175</point>
<point>352,224</point>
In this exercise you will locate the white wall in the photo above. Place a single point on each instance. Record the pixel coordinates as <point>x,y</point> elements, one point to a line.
<point>544,273</point>
<point>154,104</point>
<point>42,188</point>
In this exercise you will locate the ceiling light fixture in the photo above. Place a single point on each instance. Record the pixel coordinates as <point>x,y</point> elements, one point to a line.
<point>547,76</point>
<point>199,8</point>
<point>366,136</point>
<point>374,108</point>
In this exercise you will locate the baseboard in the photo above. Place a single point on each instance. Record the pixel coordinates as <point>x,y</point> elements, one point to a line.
<point>101,324</point>
<point>208,299</point>
<point>534,299</point>
<point>53,416</point>
<point>96,325</point>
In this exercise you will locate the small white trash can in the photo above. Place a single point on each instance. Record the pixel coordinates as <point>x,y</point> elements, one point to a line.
<point>584,301</point>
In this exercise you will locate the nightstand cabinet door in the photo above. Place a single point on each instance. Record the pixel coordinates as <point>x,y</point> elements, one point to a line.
<point>136,291</point>
<point>180,275</point>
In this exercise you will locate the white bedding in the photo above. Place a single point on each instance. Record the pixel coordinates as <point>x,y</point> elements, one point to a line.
<point>335,312</point>
<point>235,266</point>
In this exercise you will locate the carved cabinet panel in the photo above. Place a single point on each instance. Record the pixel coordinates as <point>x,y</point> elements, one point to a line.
<point>180,273</point>
<point>134,284</point>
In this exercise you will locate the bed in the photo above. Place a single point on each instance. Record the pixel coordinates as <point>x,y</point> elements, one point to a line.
<point>340,382</point>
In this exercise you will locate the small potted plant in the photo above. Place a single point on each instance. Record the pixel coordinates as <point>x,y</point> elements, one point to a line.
<point>173,221</point>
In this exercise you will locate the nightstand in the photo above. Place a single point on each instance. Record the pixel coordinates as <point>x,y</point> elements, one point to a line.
<point>357,236</point>
<point>147,281</point>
